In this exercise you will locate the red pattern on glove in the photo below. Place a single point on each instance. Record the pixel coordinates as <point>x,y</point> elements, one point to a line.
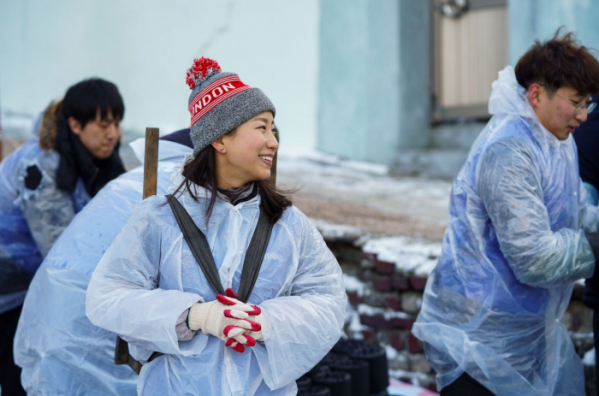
<point>237,341</point>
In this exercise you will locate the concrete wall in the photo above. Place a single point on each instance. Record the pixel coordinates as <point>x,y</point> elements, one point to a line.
<point>539,19</point>
<point>145,47</point>
<point>374,95</point>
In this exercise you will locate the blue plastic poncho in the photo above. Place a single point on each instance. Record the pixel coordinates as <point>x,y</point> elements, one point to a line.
<point>59,350</point>
<point>149,276</point>
<point>514,245</point>
<point>32,217</point>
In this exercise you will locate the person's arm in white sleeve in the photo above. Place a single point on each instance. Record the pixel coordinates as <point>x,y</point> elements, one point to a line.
<point>301,328</point>
<point>509,184</point>
<point>123,294</point>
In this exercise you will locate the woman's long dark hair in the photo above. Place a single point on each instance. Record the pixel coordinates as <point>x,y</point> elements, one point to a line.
<point>202,171</point>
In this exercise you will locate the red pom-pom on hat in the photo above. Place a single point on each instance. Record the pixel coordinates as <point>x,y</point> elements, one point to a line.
<point>201,69</point>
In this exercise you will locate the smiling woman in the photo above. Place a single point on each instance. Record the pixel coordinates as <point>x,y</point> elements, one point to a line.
<point>149,289</point>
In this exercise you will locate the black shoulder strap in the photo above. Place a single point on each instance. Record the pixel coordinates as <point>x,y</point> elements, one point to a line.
<point>254,256</point>
<point>197,243</point>
<point>201,250</point>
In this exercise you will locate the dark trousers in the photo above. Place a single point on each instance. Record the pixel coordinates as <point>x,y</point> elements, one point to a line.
<point>10,373</point>
<point>596,339</point>
<point>465,385</point>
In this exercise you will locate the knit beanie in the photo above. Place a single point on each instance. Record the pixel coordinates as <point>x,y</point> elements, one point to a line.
<point>219,102</point>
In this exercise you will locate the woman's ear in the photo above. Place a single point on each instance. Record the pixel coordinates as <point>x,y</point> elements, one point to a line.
<point>74,125</point>
<point>219,145</point>
<point>535,91</point>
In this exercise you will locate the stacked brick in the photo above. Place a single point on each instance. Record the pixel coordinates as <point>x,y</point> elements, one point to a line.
<point>387,309</point>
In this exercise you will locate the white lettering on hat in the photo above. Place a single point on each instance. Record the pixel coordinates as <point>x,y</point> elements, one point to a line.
<point>228,86</point>
<point>214,92</point>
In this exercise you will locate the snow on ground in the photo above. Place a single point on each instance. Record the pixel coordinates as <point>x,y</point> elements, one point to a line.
<point>399,388</point>
<point>388,313</point>
<point>337,231</point>
<point>411,257</point>
<point>364,196</point>
<point>354,284</point>
<point>589,358</point>
<point>367,184</point>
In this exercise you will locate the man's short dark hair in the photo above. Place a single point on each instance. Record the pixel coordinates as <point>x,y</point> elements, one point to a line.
<point>84,99</point>
<point>559,62</point>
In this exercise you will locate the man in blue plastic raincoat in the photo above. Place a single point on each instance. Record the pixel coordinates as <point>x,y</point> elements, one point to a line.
<point>43,184</point>
<point>520,233</point>
<point>59,350</point>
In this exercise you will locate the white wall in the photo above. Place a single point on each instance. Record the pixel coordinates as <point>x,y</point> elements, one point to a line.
<point>145,47</point>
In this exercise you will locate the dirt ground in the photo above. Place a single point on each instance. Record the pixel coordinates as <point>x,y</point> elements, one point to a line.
<point>366,219</point>
<point>370,201</point>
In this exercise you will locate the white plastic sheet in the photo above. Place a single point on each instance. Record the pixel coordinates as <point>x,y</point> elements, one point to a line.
<point>60,351</point>
<point>149,276</point>
<point>513,247</point>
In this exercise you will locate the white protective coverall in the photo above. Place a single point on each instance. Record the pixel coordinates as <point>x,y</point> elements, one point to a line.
<point>514,245</point>
<point>149,276</point>
<point>59,350</point>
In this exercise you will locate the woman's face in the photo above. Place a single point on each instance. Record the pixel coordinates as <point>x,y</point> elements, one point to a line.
<point>247,154</point>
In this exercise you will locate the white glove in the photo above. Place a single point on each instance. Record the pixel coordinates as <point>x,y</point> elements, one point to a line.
<point>225,318</point>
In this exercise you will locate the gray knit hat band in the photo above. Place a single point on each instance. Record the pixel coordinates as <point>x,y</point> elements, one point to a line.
<point>220,109</point>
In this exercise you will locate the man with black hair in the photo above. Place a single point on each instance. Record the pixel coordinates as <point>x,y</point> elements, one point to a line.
<point>43,184</point>
<point>520,233</point>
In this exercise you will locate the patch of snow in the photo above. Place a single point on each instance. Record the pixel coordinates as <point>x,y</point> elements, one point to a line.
<point>589,358</point>
<point>388,313</point>
<point>391,352</point>
<point>411,257</point>
<point>581,336</point>
<point>355,325</point>
<point>354,284</point>
<point>336,231</point>
<point>407,374</point>
<point>399,388</point>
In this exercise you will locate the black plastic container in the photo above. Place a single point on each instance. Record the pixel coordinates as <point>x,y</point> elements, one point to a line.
<point>304,382</point>
<point>376,357</point>
<point>345,345</point>
<point>314,391</point>
<point>383,393</point>
<point>359,370</point>
<point>338,382</point>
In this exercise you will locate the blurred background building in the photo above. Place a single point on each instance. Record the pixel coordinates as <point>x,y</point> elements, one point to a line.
<point>403,83</point>
<point>406,83</point>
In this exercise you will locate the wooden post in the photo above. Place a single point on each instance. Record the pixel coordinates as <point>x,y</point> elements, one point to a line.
<point>121,349</point>
<point>151,162</point>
